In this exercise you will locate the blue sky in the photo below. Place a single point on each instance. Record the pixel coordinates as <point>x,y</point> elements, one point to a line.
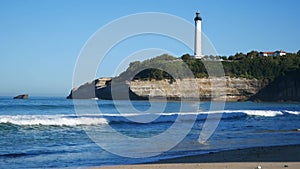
<point>40,40</point>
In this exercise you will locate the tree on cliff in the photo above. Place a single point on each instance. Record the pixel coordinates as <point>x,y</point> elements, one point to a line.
<point>156,68</point>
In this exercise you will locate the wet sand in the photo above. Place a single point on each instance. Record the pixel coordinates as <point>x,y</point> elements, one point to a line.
<point>250,158</point>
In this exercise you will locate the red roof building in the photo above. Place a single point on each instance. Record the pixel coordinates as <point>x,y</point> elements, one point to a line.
<point>276,53</point>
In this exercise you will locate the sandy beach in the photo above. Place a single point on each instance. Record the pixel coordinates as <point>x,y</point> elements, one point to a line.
<point>250,158</point>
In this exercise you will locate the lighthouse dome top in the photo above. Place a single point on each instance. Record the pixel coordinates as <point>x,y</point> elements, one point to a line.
<point>198,17</point>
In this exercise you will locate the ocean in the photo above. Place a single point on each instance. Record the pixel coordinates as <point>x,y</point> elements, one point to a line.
<point>49,132</point>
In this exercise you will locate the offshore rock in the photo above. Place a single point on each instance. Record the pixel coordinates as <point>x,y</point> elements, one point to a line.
<point>22,96</point>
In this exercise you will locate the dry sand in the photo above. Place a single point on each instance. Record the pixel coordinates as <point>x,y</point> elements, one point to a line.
<point>275,157</point>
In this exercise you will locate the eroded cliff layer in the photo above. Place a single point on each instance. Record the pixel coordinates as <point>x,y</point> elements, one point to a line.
<point>216,89</point>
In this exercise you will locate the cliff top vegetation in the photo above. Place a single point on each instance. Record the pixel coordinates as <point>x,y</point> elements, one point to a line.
<point>249,65</point>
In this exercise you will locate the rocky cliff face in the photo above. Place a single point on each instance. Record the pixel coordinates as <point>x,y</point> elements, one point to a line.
<point>102,89</point>
<point>217,89</point>
<point>283,88</point>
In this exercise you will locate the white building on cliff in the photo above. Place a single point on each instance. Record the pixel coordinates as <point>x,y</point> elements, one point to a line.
<point>276,53</point>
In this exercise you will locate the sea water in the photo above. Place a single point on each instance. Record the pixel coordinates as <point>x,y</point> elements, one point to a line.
<point>43,132</point>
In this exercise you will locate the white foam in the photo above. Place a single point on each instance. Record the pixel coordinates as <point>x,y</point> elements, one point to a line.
<point>59,120</point>
<point>265,113</point>
<point>166,117</point>
<point>98,119</point>
<point>293,112</point>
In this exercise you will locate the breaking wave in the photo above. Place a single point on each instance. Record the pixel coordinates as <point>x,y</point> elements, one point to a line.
<point>98,119</point>
<point>55,120</point>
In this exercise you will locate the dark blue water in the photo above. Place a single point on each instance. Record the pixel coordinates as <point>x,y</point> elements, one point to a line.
<point>49,133</point>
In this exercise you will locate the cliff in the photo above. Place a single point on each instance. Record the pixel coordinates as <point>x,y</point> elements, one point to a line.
<point>283,88</point>
<point>231,89</point>
<point>101,89</point>
<point>255,87</point>
<point>234,89</point>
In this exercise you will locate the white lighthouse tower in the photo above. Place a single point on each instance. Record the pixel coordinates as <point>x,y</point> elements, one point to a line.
<point>198,46</point>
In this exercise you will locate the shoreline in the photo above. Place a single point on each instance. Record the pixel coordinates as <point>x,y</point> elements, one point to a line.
<point>286,156</point>
<point>284,153</point>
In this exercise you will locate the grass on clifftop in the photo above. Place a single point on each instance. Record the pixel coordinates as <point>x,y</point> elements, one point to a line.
<point>249,65</point>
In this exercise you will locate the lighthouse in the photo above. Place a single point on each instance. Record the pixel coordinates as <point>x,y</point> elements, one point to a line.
<point>197,50</point>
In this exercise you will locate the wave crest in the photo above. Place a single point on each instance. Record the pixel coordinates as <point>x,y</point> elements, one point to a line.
<point>55,120</point>
<point>103,119</point>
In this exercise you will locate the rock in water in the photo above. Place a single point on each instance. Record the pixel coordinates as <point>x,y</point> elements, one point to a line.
<point>22,96</point>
